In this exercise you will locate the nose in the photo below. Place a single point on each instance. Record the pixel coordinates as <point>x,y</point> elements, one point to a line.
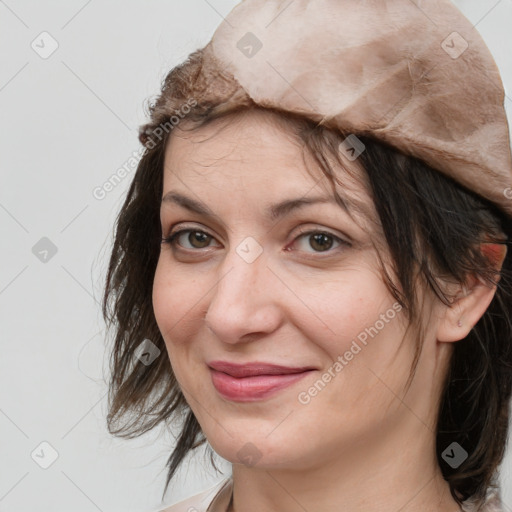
<point>244,301</point>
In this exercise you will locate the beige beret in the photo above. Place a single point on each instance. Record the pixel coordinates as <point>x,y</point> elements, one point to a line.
<point>415,74</point>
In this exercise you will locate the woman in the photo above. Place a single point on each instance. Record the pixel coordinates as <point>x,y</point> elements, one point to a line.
<point>317,236</point>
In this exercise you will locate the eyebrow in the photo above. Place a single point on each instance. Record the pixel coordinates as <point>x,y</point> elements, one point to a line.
<point>273,212</point>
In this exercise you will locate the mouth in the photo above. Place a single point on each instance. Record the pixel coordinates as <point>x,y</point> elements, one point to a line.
<point>253,381</point>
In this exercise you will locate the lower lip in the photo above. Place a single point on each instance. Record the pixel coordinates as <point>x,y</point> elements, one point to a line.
<point>251,389</point>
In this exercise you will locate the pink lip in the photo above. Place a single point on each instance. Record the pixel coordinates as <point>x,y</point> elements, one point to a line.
<point>253,381</point>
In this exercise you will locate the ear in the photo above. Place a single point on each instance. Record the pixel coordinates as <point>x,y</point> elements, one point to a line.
<point>471,300</point>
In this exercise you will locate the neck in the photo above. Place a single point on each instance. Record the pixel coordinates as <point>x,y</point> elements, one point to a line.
<point>392,473</point>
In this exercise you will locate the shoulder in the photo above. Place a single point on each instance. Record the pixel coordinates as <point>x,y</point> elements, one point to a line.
<point>202,502</point>
<point>492,503</point>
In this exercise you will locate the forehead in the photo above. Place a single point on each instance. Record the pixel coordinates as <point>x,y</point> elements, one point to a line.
<point>251,137</point>
<point>258,154</point>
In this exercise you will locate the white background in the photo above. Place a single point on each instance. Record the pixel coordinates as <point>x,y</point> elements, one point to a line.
<point>68,123</point>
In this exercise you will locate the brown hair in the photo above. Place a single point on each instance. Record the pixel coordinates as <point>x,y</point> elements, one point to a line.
<point>432,226</point>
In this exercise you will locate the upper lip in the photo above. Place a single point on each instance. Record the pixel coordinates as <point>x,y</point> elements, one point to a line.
<point>255,368</point>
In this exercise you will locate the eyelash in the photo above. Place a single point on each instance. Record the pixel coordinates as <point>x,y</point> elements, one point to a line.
<point>171,239</point>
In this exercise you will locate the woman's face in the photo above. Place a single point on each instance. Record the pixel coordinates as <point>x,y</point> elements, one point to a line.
<point>301,289</point>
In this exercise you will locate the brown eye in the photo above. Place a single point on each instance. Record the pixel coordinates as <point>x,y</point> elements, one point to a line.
<point>319,241</point>
<point>196,238</point>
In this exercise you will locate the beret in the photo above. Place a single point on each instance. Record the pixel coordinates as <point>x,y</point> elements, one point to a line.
<point>415,74</point>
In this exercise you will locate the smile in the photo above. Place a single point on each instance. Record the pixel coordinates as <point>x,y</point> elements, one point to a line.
<point>254,381</point>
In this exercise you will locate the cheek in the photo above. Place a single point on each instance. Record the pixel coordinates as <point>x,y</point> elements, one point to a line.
<point>345,311</point>
<point>175,296</point>
<point>162,299</point>
<point>173,301</point>
<point>359,327</point>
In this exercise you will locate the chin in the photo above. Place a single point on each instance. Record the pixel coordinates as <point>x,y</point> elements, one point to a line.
<point>255,448</point>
